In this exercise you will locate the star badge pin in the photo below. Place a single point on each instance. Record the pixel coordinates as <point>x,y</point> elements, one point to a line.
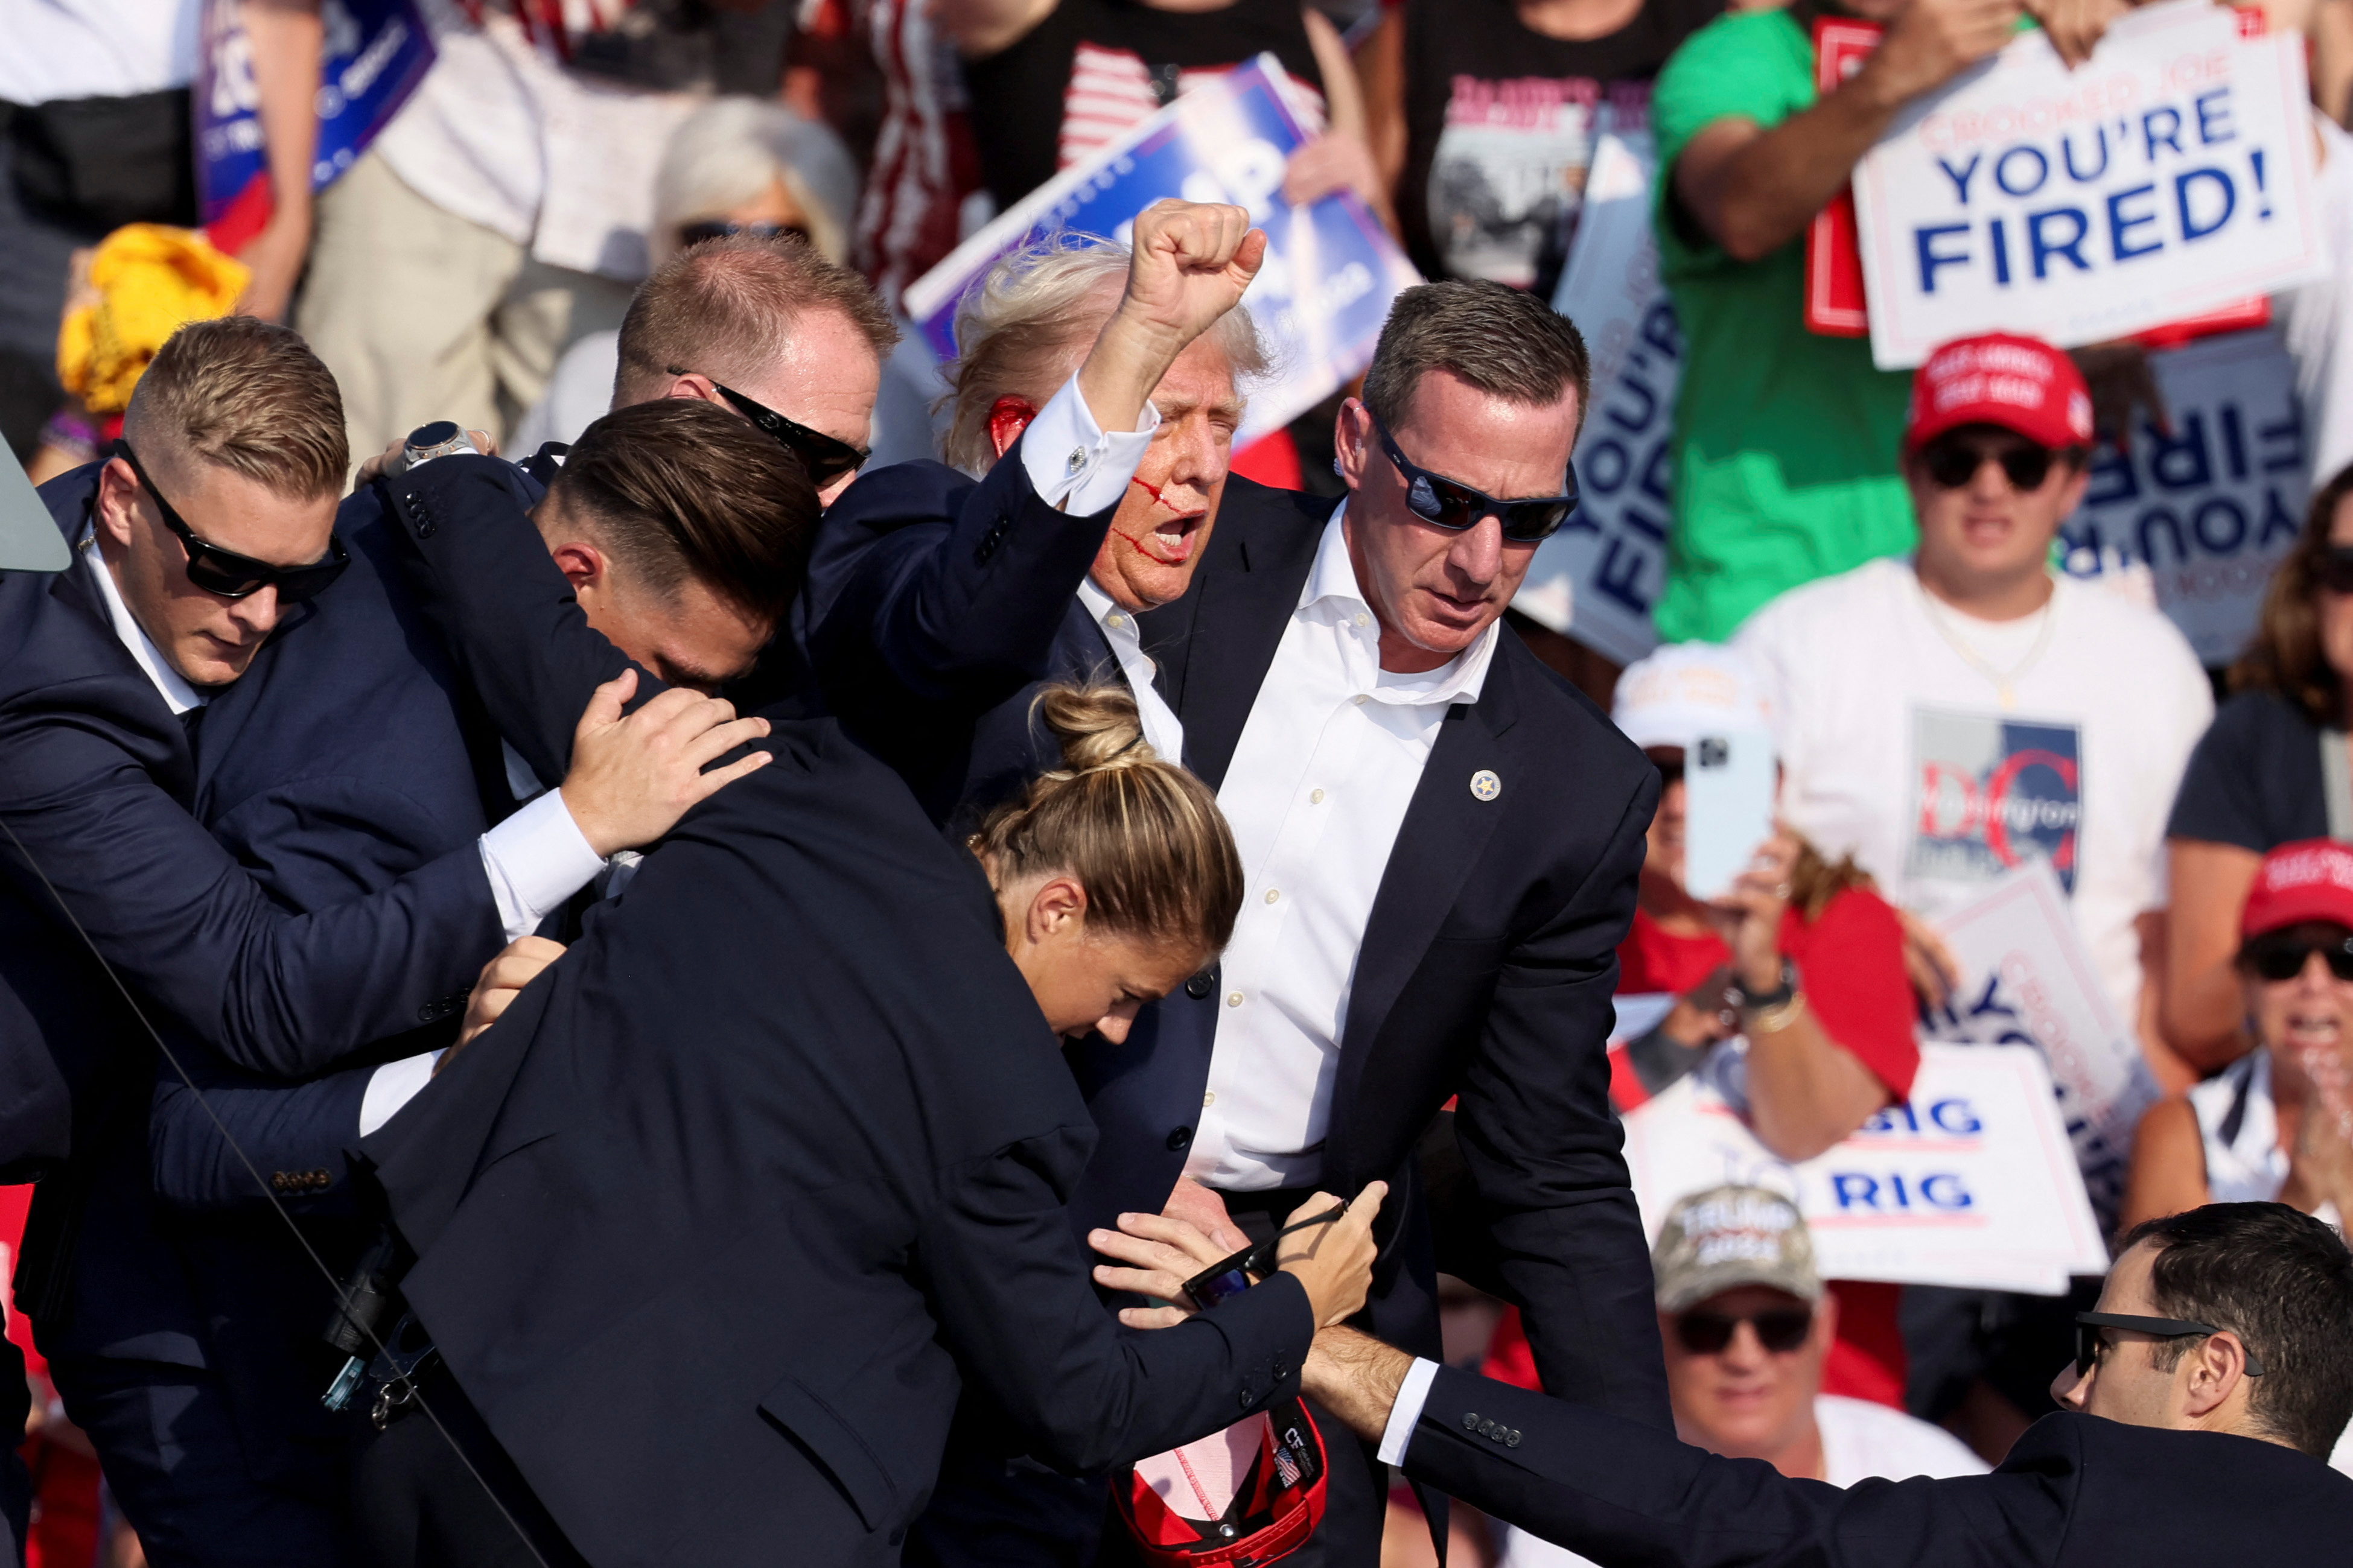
<point>1486,785</point>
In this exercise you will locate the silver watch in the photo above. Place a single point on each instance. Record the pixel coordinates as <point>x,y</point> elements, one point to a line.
<point>439,439</point>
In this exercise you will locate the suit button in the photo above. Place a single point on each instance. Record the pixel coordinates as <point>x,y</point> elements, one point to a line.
<point>1245,1400</point>
<point>1201,984</point>
<point>278,1180</point>
<point>1282,1367</point>
<point>1513,1440</point>
<point>1180,1139</point>
<point>1471,1420</point>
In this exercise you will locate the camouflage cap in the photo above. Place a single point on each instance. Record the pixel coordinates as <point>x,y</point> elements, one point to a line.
<point>1728,1237</point>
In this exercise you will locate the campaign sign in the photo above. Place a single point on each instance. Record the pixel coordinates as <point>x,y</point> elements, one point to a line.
<point>1598,575</point>
<point>2209,509</point>
<point>2026,980</point>
<point>1970,1183</point>
<point>1330,269</point>
<point>2168,177</point>
<point>1991,794</point>
<point>373,55</point>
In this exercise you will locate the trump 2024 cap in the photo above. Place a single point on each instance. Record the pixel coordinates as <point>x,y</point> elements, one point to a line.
<point>2311,879</point>
<point>1725,1237</point>
<point>29,538</point>
<point>2020,385</point>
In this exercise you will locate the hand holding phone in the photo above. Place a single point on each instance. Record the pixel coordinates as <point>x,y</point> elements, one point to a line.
<point>1728,782</point>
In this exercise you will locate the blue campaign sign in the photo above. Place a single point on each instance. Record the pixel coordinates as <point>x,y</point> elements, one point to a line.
<point>373,55</point>
<point>1330,269</point>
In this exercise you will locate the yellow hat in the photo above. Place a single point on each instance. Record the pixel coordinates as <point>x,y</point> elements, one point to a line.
<point>149,280</point>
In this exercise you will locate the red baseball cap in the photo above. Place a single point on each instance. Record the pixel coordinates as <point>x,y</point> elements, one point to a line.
<point>2022,384</point>
<point>2311,879</point>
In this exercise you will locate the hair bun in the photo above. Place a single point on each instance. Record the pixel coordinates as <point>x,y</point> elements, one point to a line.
<point>1097,727</point>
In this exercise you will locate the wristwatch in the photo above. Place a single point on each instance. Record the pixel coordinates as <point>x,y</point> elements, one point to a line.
<point>438,439</point>
<point>1738,994</point>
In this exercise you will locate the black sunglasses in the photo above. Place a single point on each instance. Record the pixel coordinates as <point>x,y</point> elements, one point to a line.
<point>1229,1276</point>
<point>720,228</point>
<point>2282,955</point>
<point>235,577</point>
<point>2088,1341</point>
<point>826,457</point>
<point>1453,505</point>
<point>1779,1329</point>
<point>1954,460</point>
<point>2335,568</point>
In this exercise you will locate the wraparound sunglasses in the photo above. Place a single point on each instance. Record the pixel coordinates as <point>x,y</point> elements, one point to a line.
<point>235,577</point>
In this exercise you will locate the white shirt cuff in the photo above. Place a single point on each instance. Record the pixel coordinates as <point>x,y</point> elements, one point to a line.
<point>1075,466</point>
<point>536,859</point>
<point>392,1085</point>
<point>1412,1394</point>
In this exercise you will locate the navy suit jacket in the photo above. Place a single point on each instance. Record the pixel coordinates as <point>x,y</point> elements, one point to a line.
<point>99,784</point>
<point>773,1158</point>
<point>2076,1491</point>
<point>936,604</point>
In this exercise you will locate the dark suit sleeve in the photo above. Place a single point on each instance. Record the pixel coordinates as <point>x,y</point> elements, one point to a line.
<point>1013,1298</point>
<point>1543,1147</point>
<point>513,626</point>
<point>294,1131</point>
<point>1615,1491</point>
<point>175,914</point>
<point>919,607</point>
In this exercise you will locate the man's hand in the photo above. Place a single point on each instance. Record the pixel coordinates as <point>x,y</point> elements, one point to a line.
<point>1162,1252</point>
<point>1933,41</point>
<point>516,966</point>
<point>2075,25</point>
<point>1205,1211</point>
<point>632,778</point>
<point>1189,265</point>
<point>1334,1261</point>
<point>393,460</point>
<point>1355,1377</point>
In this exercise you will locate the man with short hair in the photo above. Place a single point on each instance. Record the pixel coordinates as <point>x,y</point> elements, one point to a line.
<point>2206,1391</point>
<point>210,583</point>
<point>1747,1328</point>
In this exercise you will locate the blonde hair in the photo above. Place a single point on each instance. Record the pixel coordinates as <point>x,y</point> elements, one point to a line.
<point>248,395</point>
<point>725,154</point>
<point>1142,835</point>
<point>1021,332</point>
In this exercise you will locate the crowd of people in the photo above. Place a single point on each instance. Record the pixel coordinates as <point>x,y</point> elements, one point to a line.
<point>640,924</point>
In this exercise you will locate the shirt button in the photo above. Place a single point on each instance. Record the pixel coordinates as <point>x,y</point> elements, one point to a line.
<point>1363,619</point>
<point>1316,798</point>
<point>1076,461</point>
<point>1272,895</point>
<point>1360,699</point>
<point>1208,1097</point>
<point>1114,619</point>
<point>1233,999</point>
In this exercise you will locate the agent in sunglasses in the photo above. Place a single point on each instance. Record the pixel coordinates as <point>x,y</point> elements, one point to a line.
<point>2277,1123</point>
<point>2271,770</point>
<point>1747,1326</point>
<point>2195,1420</point>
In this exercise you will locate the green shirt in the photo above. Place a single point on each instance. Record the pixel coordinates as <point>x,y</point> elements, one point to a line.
<point>1785,440</point>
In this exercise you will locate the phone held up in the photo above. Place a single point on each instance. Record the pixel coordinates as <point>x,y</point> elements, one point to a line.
<point>1728,782</point>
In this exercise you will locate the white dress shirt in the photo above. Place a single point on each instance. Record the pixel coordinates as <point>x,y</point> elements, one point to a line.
<point>1319,784</point>
<point>1076,466</point>
<point>533,860</point>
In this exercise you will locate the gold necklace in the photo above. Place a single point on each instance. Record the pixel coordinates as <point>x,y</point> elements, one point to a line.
<point>2005,681</point>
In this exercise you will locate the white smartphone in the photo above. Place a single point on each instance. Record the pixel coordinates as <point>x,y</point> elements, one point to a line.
<point>1727,808</point>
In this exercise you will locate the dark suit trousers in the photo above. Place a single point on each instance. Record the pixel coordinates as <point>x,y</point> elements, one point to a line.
<point>418,1502</point>
<point>178,1468</point>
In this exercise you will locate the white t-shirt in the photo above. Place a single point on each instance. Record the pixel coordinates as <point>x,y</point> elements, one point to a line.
<point>1860,1441</point>
<point>2316,318</point>
<point>95,48</point>
<point>1897,748</point>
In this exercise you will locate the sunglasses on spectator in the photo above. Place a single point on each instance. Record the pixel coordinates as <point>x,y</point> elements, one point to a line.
<point>1455,506</point>
<point>1954,460</point>
<point>826,457</point>
<point>2335,569</point>
<point>2088,1338</point>
<point>235,577</point>
<point>720,228</point>
<point>2282,955</point>
<point>1779,1329</point>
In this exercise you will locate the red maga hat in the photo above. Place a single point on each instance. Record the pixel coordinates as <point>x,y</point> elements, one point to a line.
<point>2311,879</point>
<point>2023,385</point>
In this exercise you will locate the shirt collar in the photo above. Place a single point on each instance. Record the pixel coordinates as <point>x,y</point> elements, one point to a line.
<point>170,685</point>
<point>1103,607</point>
<point>1331,585</point>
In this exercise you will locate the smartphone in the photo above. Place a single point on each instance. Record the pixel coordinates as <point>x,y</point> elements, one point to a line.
<point>1728,786</point>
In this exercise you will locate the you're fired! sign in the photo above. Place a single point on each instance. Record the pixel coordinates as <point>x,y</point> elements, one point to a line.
<point>2169,175</point>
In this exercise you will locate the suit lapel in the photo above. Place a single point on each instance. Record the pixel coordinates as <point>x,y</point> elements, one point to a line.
<point>1215,644</point>
<point>1445,832</point>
